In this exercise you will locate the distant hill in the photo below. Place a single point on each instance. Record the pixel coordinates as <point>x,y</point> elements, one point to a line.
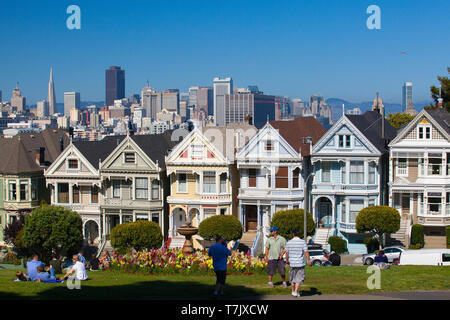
<point>336,106</point>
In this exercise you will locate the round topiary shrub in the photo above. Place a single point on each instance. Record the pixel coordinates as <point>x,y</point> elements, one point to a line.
<point>289,220</point>
<point>139,235</point>
<point>379,220</point>
<point>226,226</point>
<point>337,244</point>
<point>417,238</point>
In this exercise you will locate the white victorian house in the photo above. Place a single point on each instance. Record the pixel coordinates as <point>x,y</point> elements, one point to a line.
<point>74,183</point>
<point>273,166</point>
<point>350,163</point>
<point>420,175</point>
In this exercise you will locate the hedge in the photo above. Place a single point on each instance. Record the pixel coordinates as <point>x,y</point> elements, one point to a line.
<point>139,235</point>
<point>289,220</point>
<point>337,244</point>
<point>447,232</point>
<point>227,226</point>
<point>417,235</point>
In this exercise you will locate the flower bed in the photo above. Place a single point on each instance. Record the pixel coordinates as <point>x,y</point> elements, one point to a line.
<point>170,261</point>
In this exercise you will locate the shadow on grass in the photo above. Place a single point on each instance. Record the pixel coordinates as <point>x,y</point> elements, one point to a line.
<point>145,290</point>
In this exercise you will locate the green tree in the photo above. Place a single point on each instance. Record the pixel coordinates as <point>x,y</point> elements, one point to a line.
<point>226,226</point>
<point>379,220</point>
<point>289,220</point>
<point>139,235</point>
<point>52,229</point>
<point>398,120</point>
<point>445,92</point>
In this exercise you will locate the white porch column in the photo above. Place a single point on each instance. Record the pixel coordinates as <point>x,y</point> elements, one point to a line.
<point>333,213</point>
<point>347,171</point>
<point>366,172</point>
<point>120,216</point>
<point>104,223</point>
<point>258,210</point>
<point>70,193</point>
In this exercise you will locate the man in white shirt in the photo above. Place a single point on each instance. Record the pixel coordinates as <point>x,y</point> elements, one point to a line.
<point>78,268</point>
<point>296,251</point>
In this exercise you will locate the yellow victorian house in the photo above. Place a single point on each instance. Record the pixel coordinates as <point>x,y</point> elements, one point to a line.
<point>200,184</point>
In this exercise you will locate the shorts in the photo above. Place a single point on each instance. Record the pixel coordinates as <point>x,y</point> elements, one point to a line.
<point>297,275</point>
<point>273,265</point>
<point>221,276</point>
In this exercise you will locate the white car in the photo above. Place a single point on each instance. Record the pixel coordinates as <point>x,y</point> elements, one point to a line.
<point>392,253</point>
<point>425,257</point>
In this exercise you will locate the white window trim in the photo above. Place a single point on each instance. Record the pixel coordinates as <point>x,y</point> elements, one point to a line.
<point>120,188</point>
<point>424,126</point>
<point>178,183</point>
<point>78,164</point>
<point>397,168</point>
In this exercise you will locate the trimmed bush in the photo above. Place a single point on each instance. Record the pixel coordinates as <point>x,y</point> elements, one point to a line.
<point>337,244</point>
<point>139,235</point>
<point>227,226</point>
<point>11,258</point>
<point>52,229</point>
<point>372,244</point>
<point>378,220</point>
<point>447,233</point>
<point>417,237</point>
<point>289,220</point>
<point>415,246</point>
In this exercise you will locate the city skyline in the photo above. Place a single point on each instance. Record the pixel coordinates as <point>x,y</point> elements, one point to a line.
<point>315,41</point>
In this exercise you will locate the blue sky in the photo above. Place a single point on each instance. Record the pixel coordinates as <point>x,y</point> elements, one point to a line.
<point>295,48</point>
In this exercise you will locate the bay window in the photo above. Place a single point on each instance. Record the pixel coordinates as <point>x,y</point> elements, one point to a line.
<point>12,191</point>
<point>326,171</point>
<point>223,183</point>
<point>282,178</point>
<point>116,188</point>
<point>355,207</point>
<point>23,191</point>
<point>76,194</point>
<point>372,172</point>
<point>182,182</point>
<point>63,192</point>
<point>155,189</point>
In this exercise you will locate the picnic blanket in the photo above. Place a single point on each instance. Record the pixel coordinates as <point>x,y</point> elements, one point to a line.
<point>48,281</point>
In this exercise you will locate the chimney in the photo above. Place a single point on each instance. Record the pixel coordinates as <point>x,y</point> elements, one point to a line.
<point>40,156</point>
<point>61,144</point>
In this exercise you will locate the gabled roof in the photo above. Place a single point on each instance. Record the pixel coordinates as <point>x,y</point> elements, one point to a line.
<point>370,125</point>
<point>440,117</point>
<point>18,154</point>
<point>293,131</point>
<point>155,146</point>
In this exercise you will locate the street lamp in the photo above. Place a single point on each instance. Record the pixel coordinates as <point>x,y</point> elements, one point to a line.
<point>304,205</point>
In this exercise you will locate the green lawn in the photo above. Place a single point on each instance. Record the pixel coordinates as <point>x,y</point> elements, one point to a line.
<point>319,280</point>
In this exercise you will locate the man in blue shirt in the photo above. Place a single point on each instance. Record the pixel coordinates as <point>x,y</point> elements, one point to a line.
<point>43,275</point>
<point>219,253</point>
<point>32,267</point>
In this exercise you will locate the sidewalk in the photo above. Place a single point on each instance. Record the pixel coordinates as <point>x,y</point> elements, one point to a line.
<point>407,295</point>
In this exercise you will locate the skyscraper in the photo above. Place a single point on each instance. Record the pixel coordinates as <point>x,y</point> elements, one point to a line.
<point>115,85</point>
<point>71,100</point>
<point>407,100</point>
<point>205,100</point>
<point>222,87</point>
<point>17,100</point>
<point>51,99</point>
<point>193,96</point>
<point>42,109</point>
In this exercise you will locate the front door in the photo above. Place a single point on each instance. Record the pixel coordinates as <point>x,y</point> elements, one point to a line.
<point>325,214</point>
<point>251,218</point>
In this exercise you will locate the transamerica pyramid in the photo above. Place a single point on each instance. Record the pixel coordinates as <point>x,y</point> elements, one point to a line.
<point>51,95</point>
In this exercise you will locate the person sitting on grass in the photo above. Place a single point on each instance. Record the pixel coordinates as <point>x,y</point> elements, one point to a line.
<point>94,263</point>
<point>56,265</point>
<point>43,275</point>
<point>105,260</point>
<point>32,267</point>
<point>22,276</point>
<point>78,268</point>
<point>381,260</point>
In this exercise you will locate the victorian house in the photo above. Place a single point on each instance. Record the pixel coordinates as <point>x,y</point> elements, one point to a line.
<point>273,167</point>
<point>113,181</point>
<point>350,164</point>
<point>203,177</point>
<point>23,159</point>
<point>420,176</point>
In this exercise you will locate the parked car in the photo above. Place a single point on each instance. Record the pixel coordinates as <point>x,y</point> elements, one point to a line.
<point>425,257</point>
<point>319,257</point>
<point>392,253</point>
